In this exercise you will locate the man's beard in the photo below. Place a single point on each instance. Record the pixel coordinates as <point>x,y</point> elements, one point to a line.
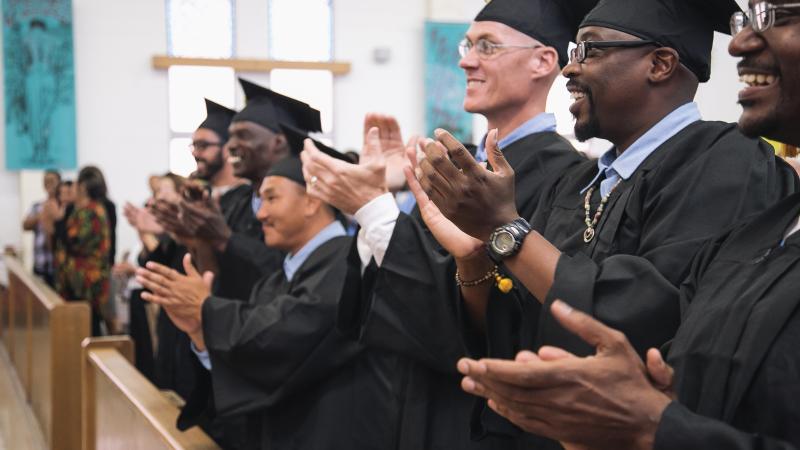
<point>590,128</point>
<point>212,167</point>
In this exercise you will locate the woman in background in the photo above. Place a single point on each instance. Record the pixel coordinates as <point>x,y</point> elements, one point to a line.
<point>82,249</point>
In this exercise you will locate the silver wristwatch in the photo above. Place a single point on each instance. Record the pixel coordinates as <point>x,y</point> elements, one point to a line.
<point>506,240</point>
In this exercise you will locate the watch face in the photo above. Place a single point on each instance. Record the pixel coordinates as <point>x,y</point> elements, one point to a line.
<point>503,242</point>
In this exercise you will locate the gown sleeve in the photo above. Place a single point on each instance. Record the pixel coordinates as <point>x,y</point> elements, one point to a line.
<point>685,430</point>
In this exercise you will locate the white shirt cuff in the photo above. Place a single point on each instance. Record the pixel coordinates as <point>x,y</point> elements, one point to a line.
<point>377,220</point>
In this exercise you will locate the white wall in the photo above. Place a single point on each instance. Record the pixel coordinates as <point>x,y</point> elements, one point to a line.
<point>122,102</point>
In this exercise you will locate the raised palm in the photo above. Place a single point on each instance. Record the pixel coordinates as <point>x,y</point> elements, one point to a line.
<point>459,244</point>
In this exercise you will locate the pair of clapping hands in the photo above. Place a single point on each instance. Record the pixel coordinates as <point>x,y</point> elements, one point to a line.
<point>609,400</point>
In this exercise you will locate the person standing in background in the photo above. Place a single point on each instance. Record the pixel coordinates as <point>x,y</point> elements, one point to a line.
<point>40,220</point>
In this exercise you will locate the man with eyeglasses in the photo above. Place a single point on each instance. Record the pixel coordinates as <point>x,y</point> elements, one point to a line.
<point>630,221</point>
<point>612,237</point>
<point>733,377</point>
<point>209,152</point>
<point>511,56</point>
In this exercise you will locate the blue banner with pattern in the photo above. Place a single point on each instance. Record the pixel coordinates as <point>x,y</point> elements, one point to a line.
<point>39,84</point>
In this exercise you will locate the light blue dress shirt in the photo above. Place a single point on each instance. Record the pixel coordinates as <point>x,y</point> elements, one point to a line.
<point>290,266</point>
<point>622,166</point>
<point>539,124</point>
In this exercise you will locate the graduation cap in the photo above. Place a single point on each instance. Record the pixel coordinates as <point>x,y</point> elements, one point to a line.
<point>551,22</point>
<point>684,25</point>
<point>271,109</point>
<point>291,167</point>
<point>218,118</point>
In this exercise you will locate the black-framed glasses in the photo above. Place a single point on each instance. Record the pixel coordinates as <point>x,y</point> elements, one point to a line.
<point>761,16</point>
<point>485,48</point>
<point>581,51</point>
<point>202,145</point>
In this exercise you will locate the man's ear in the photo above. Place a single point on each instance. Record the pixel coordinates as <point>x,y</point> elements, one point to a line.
<point>544,63</point>
<point>664,64</point>
<point>312,205</point>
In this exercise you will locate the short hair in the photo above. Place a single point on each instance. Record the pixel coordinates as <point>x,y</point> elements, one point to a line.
<point>53,172</point>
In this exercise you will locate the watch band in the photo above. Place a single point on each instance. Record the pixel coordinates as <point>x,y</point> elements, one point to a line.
<point>506,240</point>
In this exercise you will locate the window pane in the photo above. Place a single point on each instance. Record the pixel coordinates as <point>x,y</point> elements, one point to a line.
<point>300,30</point>
<point>314,87</point>
<point>181,161</point>
<point>188,85</point>
<point>200,28</point>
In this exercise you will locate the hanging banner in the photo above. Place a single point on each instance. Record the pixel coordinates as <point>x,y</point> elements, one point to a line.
<point>445,82</point>
<point>39,84</point>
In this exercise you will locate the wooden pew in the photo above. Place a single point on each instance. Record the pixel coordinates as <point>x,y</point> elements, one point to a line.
<point>43,338</point>
<point>122,409</point>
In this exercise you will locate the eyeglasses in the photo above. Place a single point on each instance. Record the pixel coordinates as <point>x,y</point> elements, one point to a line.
<point>761,16</point>
<point>485,48</point>
<point>579,54</point>
<point>202,145</point>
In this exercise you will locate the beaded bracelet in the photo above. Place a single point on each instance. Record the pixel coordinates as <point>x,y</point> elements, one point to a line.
<point>491,275</point>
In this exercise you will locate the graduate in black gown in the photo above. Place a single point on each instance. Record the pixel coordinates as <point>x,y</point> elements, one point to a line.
<point>734,378</point>
<point>279,358</point>
<point>511,55</point>
<point>613,237</point>
<point>255,143</point>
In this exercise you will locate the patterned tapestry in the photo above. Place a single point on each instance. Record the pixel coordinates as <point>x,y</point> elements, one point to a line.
<point>39,84</point>
<point>445,82</point>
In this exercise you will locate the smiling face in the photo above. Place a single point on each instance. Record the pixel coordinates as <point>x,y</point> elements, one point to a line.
<point>607,87</point>
<point>207,153</point>
<point>501,81</point>
<point>282,213</point>
<point>770,69</point>
<point>253,149</point>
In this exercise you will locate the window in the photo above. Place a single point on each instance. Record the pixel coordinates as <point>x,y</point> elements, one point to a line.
<point>299,30</point>
<point>196,28</point>
<point>303,30</point>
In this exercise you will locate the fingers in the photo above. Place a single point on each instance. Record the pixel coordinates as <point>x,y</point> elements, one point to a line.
<point>188,267</point>
<point>661,374</point>
<point>588,328</point>
<point>415,187</point>
<point>547,353</point>
<point>372,143</point>
<point>495,156</point>
<point>458,152</point>
<point>153,282</point>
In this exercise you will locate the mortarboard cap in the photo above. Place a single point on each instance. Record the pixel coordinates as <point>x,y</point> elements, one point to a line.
<point>218,118</point>
<point>271,109</point>
<point>551,22</point>
<point>684,25</point>
<point>291,167</point>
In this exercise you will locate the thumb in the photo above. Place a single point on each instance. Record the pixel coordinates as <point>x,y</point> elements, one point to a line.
<point>588,328</point>
<point>372,143</point>
<point>660,372</point>
<point>411,154</point>
<point>188,267</point>
<point>495,156</point>
<point>415,187</point>
<point>208,278</point>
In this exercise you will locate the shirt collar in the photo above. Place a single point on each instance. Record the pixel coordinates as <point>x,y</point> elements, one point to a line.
<point>541,123</point>
<point>293,262</point>
<point>625,164</point>
<point>255,203</point>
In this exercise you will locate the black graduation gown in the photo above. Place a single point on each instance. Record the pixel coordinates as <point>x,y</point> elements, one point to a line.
<point>689,189</point>
<point>246,258</point>
<point>280,360</point>
<point>414,306</point>
<point>737,368</point>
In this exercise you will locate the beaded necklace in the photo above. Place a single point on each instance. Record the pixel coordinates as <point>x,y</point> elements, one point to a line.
<point>589,234</point>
